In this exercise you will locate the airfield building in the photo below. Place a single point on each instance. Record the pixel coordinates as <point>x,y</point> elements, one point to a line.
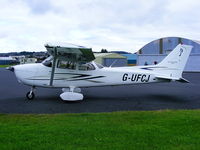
<point>8,61</point>
<point>155,51</point>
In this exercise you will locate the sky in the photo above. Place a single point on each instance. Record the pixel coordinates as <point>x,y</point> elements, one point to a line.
<point>124,25</point>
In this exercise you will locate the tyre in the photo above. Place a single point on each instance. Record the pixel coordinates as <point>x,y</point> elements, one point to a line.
<point>30,95</point>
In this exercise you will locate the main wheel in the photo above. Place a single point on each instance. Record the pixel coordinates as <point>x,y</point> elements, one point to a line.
<point>30,95</point>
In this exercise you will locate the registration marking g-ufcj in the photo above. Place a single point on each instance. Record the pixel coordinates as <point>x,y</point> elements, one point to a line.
<point>136,77</point>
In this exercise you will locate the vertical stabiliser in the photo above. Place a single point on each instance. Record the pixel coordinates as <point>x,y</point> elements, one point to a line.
<point>173,65</point>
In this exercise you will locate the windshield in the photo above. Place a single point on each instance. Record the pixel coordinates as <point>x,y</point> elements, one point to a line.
<point>48,61</point>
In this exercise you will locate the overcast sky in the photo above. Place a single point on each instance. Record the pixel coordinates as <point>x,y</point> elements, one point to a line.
<point>111,24</point>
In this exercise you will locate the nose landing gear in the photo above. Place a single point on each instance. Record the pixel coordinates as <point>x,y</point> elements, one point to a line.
<point>30,95</point>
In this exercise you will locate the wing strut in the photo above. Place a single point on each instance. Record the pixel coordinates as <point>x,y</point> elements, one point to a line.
<point>53,66</point>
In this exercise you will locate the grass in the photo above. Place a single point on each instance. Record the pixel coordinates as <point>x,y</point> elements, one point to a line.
<point>149,130</point>
<point>4,66</point>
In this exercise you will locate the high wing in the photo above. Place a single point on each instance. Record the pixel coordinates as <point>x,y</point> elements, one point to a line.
<point>70,52</point>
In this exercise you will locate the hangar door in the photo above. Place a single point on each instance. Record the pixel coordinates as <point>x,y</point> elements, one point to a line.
<point>115,62</point>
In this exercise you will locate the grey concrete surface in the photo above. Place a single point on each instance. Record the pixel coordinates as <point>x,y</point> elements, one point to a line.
<point>100,99</point>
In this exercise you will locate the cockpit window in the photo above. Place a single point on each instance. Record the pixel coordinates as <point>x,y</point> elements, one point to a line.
<point>86,66</point>
<point>48,62</point>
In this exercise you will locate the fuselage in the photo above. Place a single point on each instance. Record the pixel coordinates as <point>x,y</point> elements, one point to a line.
<point>71,67</point>
<point>39,75</point>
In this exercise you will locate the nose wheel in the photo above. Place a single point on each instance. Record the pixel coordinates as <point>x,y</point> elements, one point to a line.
<point>30,95</point>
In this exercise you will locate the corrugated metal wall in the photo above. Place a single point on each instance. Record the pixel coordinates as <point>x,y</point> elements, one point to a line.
<point>149,59</point>
<point>193,63</point>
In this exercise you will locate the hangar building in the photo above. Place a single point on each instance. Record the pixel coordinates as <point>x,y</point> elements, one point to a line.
<point>8,61</point>
<point>157,50</point>
<point>110,59</point>
<point>131,59</point>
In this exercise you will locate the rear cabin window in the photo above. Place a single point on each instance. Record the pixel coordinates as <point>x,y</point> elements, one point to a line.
<point>85,67</point>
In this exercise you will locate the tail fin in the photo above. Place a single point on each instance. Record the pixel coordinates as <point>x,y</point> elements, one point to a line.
<point>173,65</point>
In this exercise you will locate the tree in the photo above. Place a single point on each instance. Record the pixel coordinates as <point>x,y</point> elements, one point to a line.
<point>104,51</point>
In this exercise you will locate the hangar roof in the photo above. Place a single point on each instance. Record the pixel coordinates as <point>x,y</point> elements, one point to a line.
<point>197,41</point>
<point>167,44</point>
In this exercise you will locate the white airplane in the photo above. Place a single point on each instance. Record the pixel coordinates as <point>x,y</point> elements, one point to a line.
<point>71,67</point>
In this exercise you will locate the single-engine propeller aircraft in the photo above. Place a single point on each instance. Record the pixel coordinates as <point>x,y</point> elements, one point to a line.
<point>71,67</point>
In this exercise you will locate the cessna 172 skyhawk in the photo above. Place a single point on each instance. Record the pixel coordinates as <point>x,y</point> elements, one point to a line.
<point>71,67</point>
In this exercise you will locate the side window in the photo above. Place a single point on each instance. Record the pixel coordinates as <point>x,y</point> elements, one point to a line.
<point>86,67</point>
<point>91,67</point>
<point>66,65</point>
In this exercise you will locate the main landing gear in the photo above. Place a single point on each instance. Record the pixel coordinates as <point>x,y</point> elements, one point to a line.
<point>30,95</point>
<point>71,94</point>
